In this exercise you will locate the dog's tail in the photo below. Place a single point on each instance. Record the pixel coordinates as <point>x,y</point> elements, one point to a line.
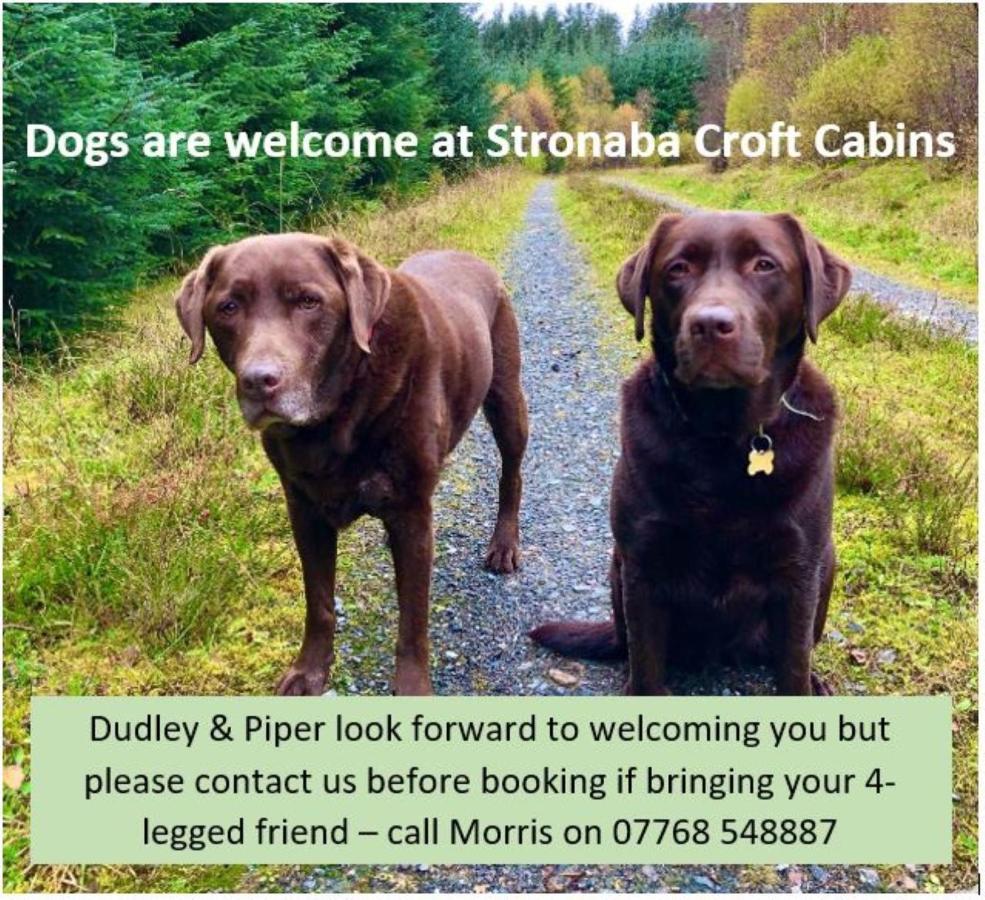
<point>586,640</point>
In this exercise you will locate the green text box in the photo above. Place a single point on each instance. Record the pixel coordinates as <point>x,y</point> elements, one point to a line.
<point>687,780</point>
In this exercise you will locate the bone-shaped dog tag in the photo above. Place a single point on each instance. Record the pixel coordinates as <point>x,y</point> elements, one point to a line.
<point>760,461</point>
<point>760,454</point>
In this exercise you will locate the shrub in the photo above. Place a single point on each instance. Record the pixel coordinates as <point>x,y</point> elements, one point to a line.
<point>941,92</point>
<point>751,105</point>
<point>847,90</point>
<point>689,150</point>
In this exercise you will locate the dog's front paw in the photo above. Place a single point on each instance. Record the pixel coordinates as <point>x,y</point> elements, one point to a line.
<point>819,687</point>
<point>412,683</point>
<point>631,689</point>
<point>303,681</point>
<point>503,556</point>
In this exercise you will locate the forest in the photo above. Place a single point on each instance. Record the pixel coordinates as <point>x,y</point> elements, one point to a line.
<point>79,237</point>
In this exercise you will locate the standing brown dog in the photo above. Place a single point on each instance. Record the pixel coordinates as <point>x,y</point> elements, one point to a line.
<point>722,498</point>
<point>362,381</point>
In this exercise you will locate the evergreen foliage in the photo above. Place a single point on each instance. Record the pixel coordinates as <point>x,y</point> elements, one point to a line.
<point>79,236</point>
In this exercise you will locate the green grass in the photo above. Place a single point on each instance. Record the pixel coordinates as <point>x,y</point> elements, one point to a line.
<point>905,601</point>
<point>147,549</point>
<point>905,219</point>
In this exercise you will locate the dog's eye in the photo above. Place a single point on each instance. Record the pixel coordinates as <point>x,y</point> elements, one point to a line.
<point>678,269</point>
<point>228,307</point>
<point>308,301</point>
<point>764,264</point>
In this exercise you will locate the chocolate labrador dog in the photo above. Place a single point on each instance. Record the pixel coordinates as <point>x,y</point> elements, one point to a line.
<point>362,380</point>
<point>722,497</point>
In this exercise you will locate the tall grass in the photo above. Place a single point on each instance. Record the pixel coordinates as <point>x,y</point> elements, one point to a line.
<point>924,480</point>
<point>926,493</point>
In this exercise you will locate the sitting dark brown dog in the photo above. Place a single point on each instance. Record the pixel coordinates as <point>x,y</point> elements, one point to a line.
<point>362,381</point>
<point>722,498</point>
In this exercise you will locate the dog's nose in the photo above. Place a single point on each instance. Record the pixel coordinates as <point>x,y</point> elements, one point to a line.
<point>261,380</point>
<point>712,323</point>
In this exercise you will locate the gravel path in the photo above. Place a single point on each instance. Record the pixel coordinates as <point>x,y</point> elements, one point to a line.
<point>571,388</point>
<point>947,315</point>
<point>480,620</point>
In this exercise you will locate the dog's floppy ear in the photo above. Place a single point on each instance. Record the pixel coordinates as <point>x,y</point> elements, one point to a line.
<point>366,285</point>
<point>189,302</point>
<point>826,278</point>
<point>633,280</point>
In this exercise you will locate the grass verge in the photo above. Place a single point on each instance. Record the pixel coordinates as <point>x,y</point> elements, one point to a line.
<point>904,614</point>
<point>147,550</point>
<point>902,218</point>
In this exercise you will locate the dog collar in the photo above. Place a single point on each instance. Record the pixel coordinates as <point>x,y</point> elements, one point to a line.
<point>761,454</point>
<point>761,446</point>
<point>783,401</point>
<point>799,412</point>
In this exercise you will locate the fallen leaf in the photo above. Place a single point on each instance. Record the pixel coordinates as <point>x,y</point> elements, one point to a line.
<point>565,679</point>
<point>13,777</point>
<point>858,656</point>
<point>554,885</point>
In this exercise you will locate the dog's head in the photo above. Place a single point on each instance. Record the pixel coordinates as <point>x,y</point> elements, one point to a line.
<point>287,313</point>
<point>729,292</point>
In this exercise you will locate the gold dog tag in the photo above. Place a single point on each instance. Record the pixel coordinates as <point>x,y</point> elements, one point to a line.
<point>760,454</point>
